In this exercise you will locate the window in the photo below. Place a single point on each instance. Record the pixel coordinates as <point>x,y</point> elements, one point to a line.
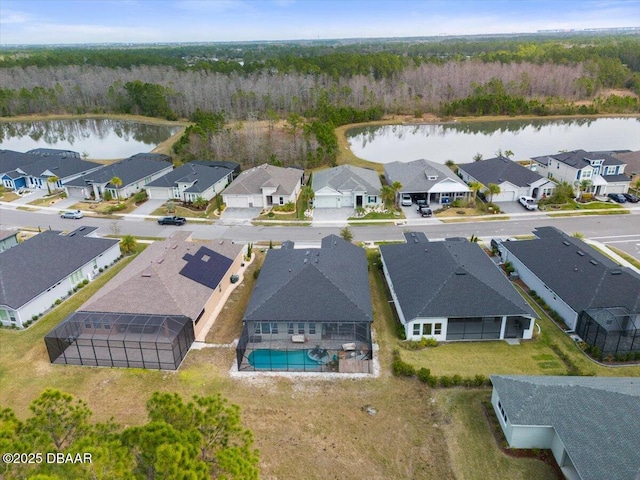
<point>290,328</point>
<point>610,170</point>
<point>437,329</point>
<point>587,173</point>
<point>312,329</point>
<point>4,315</point>
<point>301,328</point>
<point>281,200</point>
<point>76,277</point>
<point>416,329</point>
<point>504,415</point>
<point>427,329</point>
<point>372,199</point>
<point>274,328</point>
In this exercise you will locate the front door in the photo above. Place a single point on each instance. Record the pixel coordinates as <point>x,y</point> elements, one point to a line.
<point>358,201</point>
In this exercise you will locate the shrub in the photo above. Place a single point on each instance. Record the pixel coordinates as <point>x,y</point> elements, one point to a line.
<point>445,381</point>
<point>58,301</point>
<point>107,195</point>
<point>400,368</point>
<point>85,281</point>
<point>456,380</point>
<point>100,269</point>
<point>400,332</point>
<point>424,374</point>
<point>34,318</point>
<point>80,285</point>
<point>140,197</point>
<point>479,380</point>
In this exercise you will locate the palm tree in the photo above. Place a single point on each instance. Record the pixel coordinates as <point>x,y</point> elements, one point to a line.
<point>477,157</point>
<point>493,189</point>
<point>396,186</point>
<point>508,153</point>
<point>52,179</point>
<point>475,188</point>
<point>636,184</point>
<point>128,244</point>
<point>117,183</point>
<point>584,186</point>
<point>387,194</point>
<point>346,234</point>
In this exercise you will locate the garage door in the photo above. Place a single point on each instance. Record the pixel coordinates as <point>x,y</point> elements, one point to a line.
<point>503,197</point>
<point>326,202</point>
<point>236,201</point>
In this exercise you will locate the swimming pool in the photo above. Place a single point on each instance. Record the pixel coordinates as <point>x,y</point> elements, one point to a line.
<point>266,359</point>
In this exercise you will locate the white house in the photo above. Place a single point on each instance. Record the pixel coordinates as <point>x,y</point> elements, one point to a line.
<point>45,268</point>
<point>190,181</point>
<point>513,179</point>
<point>451,290</point>
<point>603,171</point>
<point>264,186</point>
<point>346,186</point>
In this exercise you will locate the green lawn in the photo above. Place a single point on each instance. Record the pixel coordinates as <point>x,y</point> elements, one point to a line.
<point>573,205</point>
<point>186,212</point>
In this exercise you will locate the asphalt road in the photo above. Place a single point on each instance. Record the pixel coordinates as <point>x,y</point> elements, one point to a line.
<point>621,231</point>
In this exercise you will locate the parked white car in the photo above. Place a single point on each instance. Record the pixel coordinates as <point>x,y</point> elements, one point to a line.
<point>406,200</point>
<point>528,202</point>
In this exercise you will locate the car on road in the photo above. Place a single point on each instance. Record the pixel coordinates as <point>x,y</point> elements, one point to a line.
<point>406,200</point>
<point>75,214</point>
<point>528,202</point>
<point>631,197</point>
<point>172,220</point>
<point>617,197</point>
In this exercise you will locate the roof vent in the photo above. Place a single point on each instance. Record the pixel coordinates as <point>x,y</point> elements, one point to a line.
<point>160,260</point>
<point>593,262</point>
<point>316,259</point>
<point>146,275</point>
<point>580,252</point>
<point>564,242</point>
<point>305,260</point>
<point>307,252</point>
<point>616,272</point>
<point>415,240</point>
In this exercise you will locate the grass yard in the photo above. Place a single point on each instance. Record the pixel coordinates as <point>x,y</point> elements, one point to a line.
<point>488,218</point>
<point>631,259</point>
<point>592,212</point>
<point>180,211</point>
<point>9,196</point>
<point>392,215</point>
<point>104,207</point>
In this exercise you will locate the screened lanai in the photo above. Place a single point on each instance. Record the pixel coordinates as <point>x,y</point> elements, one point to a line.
<point>121,340</point>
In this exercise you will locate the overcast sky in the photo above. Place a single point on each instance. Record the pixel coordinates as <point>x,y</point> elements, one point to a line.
<point>144,21</point>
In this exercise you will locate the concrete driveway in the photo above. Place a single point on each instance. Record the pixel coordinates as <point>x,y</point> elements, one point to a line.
<point>149,206</point>
<point>512,207</point>
<point>239,216</point>
<point>336,216</point>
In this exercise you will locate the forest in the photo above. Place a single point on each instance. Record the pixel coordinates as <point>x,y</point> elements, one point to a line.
<point>303,91</point>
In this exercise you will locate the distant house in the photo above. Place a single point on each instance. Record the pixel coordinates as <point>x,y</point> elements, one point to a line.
<point>346,186</point>
<point>235,167</point>
<point>632,161</point>
<point>451,290</point>
<point>596,298</point>
<point>590,424</point>
<point>45,268</point>
<point>602,170</point>
<point>48,152</point>
<point>513,179</point>
<point>264,186</point>
<point>135,173</point>
<point>33,170</point>
<point>309,300</point>
<point>429,180</point>
<point>190,181</point>
<point>150,313</point>
<point>8,239</point>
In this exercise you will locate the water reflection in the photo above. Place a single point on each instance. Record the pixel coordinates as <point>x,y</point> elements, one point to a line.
<point>98,138</point>
<point>461,141</point>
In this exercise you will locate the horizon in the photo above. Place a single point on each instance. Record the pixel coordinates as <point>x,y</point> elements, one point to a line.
<point>152,22</point>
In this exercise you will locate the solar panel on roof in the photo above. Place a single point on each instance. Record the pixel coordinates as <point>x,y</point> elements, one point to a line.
<point>206,271</point>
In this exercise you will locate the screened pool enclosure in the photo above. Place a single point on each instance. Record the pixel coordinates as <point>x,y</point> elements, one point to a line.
<point>157,342</point>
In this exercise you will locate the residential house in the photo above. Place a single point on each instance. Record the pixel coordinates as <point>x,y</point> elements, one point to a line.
<point>45,268</point>
<point>603,171</point>
<point>632,162</point>
<point>346,186</point>
<point>8,239</point>
<point>33,171</point>
<point>309,300</point>
<point>190,181</point>
<point>427,180</point>
<point>134,172</point>
<point>234,166</point>
<point>513,179</point>
<point>150,313</point>
<point>263,187</point>
<point>596,298</point>
<point>451,290</point>
<point>48,152</point>
<point>590,424</point>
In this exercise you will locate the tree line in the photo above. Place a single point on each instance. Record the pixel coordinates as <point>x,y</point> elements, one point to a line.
<point>196,440</point>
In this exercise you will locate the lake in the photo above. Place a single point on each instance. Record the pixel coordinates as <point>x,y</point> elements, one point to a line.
<point>98,138</point>
<point>461,141</point>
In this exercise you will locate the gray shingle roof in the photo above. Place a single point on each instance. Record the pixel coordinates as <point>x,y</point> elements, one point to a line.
<point>347,178</point>
<point>632,160</point>
<point>129,170</point>
<point>251,181</point>
<point>454,278</point>
<point>327,284</point>
<point>59,166</point>
<point>152,284</point>
<point>46,152</point>
<point>579,158</point>
<point>30,268</point>
<point>500,169</point>
<point>414,176</point>
<point>582,281</point>
<point>597,418</point>
<point>205,177</point>
<point>10,160</point>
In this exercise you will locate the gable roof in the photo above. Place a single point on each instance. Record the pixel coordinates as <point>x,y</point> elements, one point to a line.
<point>581,276</point>
<point>414,176</point>
<point>52,255</point>
<point>452,278</point>
<point>153,284</point>
<point>11,160</point>
<point>129,170</point>
<point>500,169</point>
<point>347,178</point>
<point>579,158</point>
<point>327,284</point>
<point>587,413</point>
<point>204,177</point>
<point>47,152</point>
<point>251,182</point>
<point>631,159</point>
<point>59,165</point>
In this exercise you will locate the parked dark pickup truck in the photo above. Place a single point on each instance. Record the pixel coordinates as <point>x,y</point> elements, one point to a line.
<point>172,221</point>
